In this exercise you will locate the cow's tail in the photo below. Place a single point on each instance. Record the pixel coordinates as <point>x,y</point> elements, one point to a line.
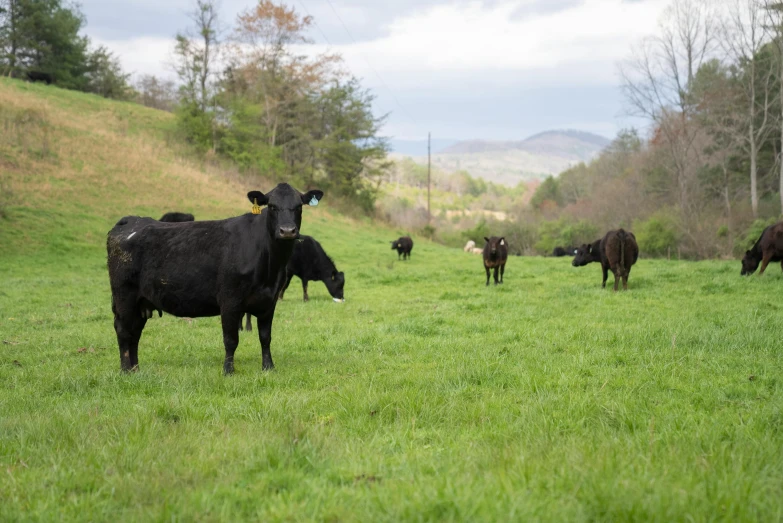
<point>622,239</point>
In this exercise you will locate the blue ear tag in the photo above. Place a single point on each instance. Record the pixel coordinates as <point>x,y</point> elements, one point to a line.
<point>313,201</point>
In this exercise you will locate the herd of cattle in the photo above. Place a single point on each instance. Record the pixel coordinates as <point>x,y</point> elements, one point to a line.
<point>242,266</point>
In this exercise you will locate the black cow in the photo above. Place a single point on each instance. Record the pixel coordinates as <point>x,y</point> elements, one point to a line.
<point>177,217</point>
<point>563,251</point>
<point>40,76</point>
<point>617,251</point>
<point>404,246</point>
<point>768,248</point>
<point>495,255</point>
<point>310,262</point>
<point>205,268</point>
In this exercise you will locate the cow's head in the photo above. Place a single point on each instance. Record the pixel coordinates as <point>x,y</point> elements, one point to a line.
<point>395,244</point>
<point>749,264</point>
<point>583,255</point>
<point>284,209</point>
<point>495,243</point>
<point>336,283</point>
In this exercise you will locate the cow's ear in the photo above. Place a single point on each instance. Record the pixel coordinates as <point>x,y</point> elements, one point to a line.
<point>334,275</point>
<point>747,253</point>
<point>590,249</point>
<point>312,197</point>
<point>486,239</point>
<point>257,197</point>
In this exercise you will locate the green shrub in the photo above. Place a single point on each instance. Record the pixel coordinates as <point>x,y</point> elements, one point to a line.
<point>656,235</point>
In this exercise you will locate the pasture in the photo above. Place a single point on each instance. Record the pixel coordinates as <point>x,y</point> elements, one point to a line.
<point>426,396</point>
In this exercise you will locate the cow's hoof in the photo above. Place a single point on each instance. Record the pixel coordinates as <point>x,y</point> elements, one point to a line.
<point>268,366</point>
<point>228,369</point>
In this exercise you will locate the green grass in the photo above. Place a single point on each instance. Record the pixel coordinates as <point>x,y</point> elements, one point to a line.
<point>426,396</point>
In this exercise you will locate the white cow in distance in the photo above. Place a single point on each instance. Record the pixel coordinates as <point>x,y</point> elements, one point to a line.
<point>469,246</point>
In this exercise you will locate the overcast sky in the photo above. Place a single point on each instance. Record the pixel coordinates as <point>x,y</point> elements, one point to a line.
<point>491,69</point>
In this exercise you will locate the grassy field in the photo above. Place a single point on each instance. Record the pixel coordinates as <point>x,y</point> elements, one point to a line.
<point>426,396</point>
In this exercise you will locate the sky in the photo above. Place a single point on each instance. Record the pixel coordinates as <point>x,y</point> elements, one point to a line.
<point>472,69</point>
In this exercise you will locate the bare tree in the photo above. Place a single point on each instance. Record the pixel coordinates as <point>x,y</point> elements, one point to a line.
<point>744,38</point>
<point>155,92</point>
<point>774,9</point>
<point>197,53</point>
<point>656,82</point>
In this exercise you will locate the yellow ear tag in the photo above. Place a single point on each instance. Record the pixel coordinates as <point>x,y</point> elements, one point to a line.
<point>256,209</point>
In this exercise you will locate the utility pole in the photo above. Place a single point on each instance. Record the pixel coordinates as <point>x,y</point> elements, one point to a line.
<point>429,167</point>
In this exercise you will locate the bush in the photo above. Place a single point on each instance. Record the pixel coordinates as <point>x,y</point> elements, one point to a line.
<point>657,235</point>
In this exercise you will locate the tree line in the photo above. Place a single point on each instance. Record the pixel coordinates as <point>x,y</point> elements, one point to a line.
<point>709,176</point>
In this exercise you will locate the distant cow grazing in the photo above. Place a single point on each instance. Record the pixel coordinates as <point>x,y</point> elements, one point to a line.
<point>40,76</point>
<point>768,248</point>
<point>310,262</point>
<point>403,245</point>
<point>563,251</point>
<point>205,268</point>
<point>469,246</point>
<point>495,256</point>
<point>617,251</point>
<point>177,217</point>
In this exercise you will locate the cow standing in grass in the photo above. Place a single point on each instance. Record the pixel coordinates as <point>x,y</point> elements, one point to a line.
<point>403,246</point>
<point>768,248</point>
<point>495,256</point>
<point>310,262</point>
<point>207,268</point>
<point>616,251</point>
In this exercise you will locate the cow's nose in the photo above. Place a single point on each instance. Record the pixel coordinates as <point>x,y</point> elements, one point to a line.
<point>288,232</point>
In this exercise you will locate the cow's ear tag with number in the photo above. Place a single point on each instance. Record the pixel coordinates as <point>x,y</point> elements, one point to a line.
<point>313,201</point>
<point>502,242</point>
<point>256,209</point>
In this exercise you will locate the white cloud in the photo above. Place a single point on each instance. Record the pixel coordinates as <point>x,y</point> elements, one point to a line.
<point>142,55</point>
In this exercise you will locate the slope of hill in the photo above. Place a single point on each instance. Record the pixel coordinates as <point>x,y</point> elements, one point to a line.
<point>510,162</point>
<point>72,164</point>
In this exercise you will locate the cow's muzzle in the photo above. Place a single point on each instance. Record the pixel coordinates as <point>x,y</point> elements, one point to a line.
<point>287,233</point>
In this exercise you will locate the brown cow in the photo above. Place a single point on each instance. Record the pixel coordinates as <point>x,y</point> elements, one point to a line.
<point>495,256</point>
<point>769,247</point>
<point>617,251</point>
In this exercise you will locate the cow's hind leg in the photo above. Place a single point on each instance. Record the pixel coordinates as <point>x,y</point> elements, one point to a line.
<point>606,275</point>
<point>128,325</point>
<point>264,324</point>
<point>616,273</point>
<point>231,320</point>
<point>249,323</point>
<point>625,278</point>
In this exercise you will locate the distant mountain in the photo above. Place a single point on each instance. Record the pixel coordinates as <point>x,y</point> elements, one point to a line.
<point>510,162</point>
<point>418,147</point>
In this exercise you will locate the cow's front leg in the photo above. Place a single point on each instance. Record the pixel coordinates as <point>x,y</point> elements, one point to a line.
<point>304,290</point>
<point>249,323</point>
<point>264,324</point>
<point>231,320</point>
<point>606,275</point>
<point>502,270</point>
<point>495,274</point>
<point>764,263</point>
<point>487,269</point>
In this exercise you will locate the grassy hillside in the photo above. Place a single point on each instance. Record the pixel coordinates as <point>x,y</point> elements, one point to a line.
<point>426,396</point>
